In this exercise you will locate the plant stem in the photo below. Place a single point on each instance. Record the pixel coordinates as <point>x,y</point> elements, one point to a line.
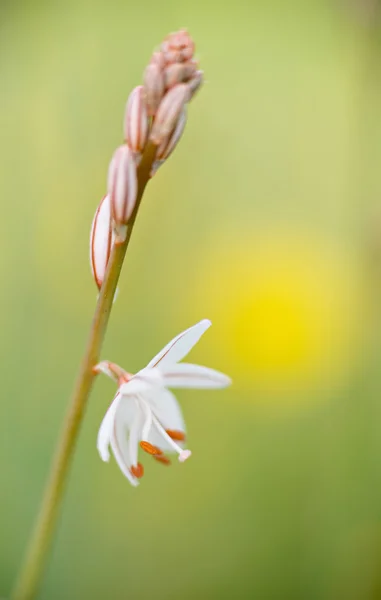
<point>31,573</point>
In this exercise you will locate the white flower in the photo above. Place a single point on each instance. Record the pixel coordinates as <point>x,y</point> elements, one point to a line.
<point>145,413</point>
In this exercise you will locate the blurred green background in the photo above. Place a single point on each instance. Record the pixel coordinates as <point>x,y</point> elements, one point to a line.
<point>267,220</point>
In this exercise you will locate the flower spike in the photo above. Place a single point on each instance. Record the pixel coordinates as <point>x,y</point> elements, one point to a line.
<point>144,414</point>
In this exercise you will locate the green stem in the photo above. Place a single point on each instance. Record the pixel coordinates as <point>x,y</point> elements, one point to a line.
<point>36,557</point>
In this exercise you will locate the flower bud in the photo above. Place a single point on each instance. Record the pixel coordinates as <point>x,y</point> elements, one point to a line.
<point>178,73</point>
<point>195,83</point>
<point>122,188</point>
<point>157,58</point>
<point>136,124</point>
<point>101,241</point>
<point>155,167</point>
<point>169,144</point>
<point>178,47</point>
<point>153,87</point>
<point>169,112</point>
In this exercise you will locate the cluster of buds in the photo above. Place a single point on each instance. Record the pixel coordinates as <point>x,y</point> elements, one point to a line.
<point>155,115</point>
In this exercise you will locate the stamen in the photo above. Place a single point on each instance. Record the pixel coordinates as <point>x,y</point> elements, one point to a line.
<point>179,436</point>
<point>164,460</point>
<point>137,471</point>
<point>184,455</point>
<point>150,449</point>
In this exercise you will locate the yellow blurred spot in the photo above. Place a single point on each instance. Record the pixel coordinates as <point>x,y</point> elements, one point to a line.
<point>286,310</point>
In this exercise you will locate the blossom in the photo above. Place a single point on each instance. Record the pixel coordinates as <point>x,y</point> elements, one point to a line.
<point>144,413</point>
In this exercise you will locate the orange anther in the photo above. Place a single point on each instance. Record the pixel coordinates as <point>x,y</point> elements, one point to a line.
<point>179,436</point>
<point>150,449</point>
<point>162,459</point>
<point>137,471</point>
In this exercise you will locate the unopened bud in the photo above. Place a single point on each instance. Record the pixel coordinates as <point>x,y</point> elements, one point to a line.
<point>195,83</point>
<point>101,241</point>
<point>169,112</point>
<point>153,87</point>
<point>122,188</point>
<point>178,73</point>
<point>178,47</point>
<point>136,124</point>
<point>157,58</point>
<point>169,144</point>
<point>155,167</point>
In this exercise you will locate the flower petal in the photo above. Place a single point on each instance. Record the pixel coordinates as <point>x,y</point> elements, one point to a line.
<point>135,431</point>
<point>144,381</point>
<point>165,407</point>
<point>168,412</point>
<point>179,347</point>
<point>184,375</point>
<point>105,430</point>
<point>120,447</point>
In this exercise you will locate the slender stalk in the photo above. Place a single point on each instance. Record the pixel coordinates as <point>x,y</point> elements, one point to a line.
<point>36,557</point>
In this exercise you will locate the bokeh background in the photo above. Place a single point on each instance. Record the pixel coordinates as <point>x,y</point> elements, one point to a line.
<point>267,220</point>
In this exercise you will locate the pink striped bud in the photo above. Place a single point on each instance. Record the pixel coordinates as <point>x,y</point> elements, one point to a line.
<point>153,87</point>
<point>169,112</point>
<point>195,83</point>
<point>168,145</point>
<point>155,166</point>
<point>178,47</point>
<point>157,58</point>
<point>136,124</point>
<point>122,188</point>
<point>101,241</point>
<point>178,73</point>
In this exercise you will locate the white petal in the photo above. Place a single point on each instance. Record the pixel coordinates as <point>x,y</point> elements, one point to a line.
<point>147,418</point>
<point>127,411</point>
<point>165,407</point>
<point>135,431</point>
<point>168,412</point>
<point>179,347</point>
<point>105,430</point>
<point>145,380</point>
<point>184,375</point>
<point>120,447</point>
